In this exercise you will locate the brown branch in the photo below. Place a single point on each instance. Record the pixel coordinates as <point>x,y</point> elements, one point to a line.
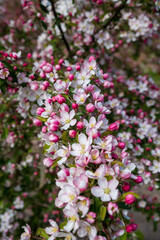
<point>38,238</point>
<point>106,232</point>
<point>115,14</point>
<point>59,26</point>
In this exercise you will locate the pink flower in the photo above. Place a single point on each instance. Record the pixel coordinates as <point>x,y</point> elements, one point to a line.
<point>91,217</point>
<point>81,182</point>
<point>27,233</point>
<point>112,208</point>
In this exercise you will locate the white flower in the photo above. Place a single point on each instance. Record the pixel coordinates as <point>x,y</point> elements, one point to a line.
<point>67,119</point>
<point>64,153</point>
<point>82,147</point>
<point>86,229</point>
<point>26,235</point>
<point>106,190</point>
<point>156,167</point>
<point>53,230</point>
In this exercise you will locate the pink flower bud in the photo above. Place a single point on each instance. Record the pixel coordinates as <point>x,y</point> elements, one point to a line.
<point>46,84</point>
<point>78,67</point>
<point>37,122</point>
<point>105,76</point>
<point>54,127</point>
<point>69,68</point>
<point>80,125</point>
<point>139,179</point>
<point>126,187</point>
<point>121,145</point>
<point>42,75</point>
<point>34,86</point>
<point>40,110</point>
<point>134,226</point>
<point>75,106</point>
<point>129,199</point>
<point>43,87</point>
<point>60,99</point>
<point>72,133</point>
<point>53,138</point>
<point>58,67</point>
<point>44,129</point>
<point>29,55</point>
<point>113,126</point>
<point>129,228</point>
<point>47,162</point>
<point>60,61</point>
<point>90,108</point>
<point>91,58</point>
<point>107,84</point>
<point>71,77</point>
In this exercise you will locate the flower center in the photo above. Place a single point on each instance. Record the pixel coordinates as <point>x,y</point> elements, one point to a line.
<point>107,191</point>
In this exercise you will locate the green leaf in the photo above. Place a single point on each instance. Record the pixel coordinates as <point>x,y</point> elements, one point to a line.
<point>97,204</point>
<point>55,163</point>
<point>123,205</point>
<point>44,9</point>
<point>106,133</point>
<point>45,148</point>
<point>2,47</point>
<point>63,224</point>
<point>122,197</point>
<point>41,119</point>
<point>44,25</point>
<point>123,237</point>
<point>80,114</point>
<point>139,234</point>
<point>41,232</point>
<point>103,211</point>
<point>71,165</point>
<point>5,133</point>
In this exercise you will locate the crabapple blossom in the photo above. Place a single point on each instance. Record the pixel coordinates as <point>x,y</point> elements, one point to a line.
<point>106,189</point>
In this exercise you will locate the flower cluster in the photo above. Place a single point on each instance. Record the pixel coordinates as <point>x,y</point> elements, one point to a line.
<point>78,138</point>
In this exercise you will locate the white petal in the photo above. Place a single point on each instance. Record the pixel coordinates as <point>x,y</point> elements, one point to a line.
<point>82,232</point>
<point>97,191</point>
<point>72,114</point>
<point>105,198</point>
<point>113,184</point>
<point>103,183</point>
<point>69,226</point>
<point>82,138</point>
<point>73,122</point>
<point>114,194</point>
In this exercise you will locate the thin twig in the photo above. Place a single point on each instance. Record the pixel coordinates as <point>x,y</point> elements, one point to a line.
<point>106,232</point>
<point>115,14</point>
<point>38,238</point>
<point>59,26</point>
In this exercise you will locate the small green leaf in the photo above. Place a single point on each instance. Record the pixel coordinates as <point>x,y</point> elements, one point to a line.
<point>41,232</point>
<point>44,9</point>
<point>55,163</point>
<point>63,224</point>
<point>122,197</point>
<point>123,205</point>
<point>139,234</point>
<point>2,47</point>
<point>103,211</point>
<point>44,25</point>
<point>41,119</point>
<point>123,237</point>
<point>105,133</point>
